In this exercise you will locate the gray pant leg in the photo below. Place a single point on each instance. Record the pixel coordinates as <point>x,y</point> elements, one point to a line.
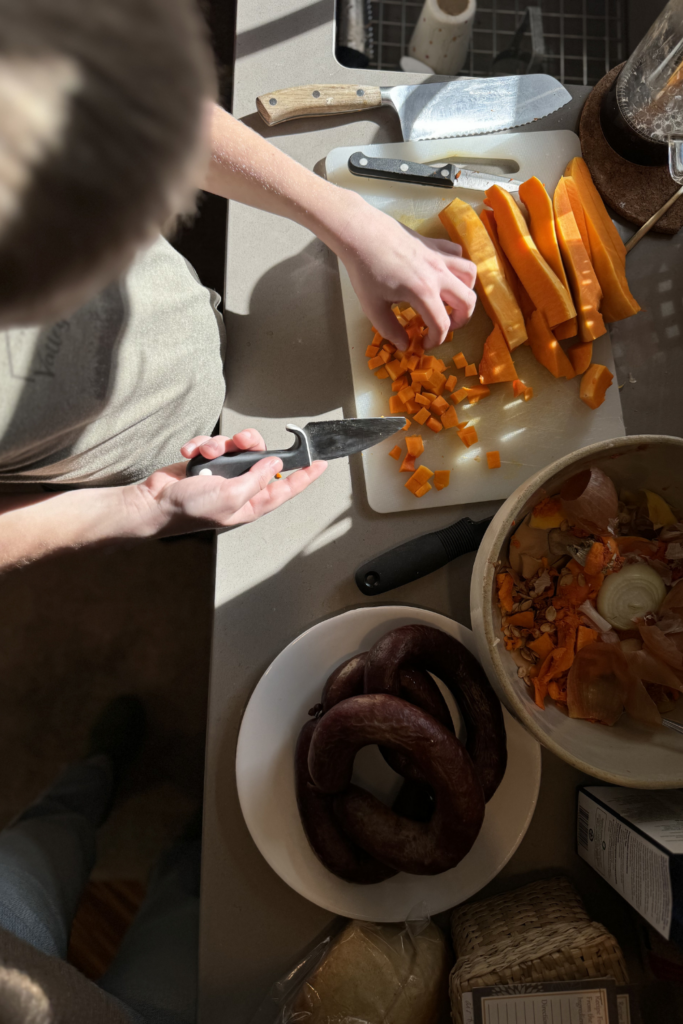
<point>46,856</point>
<point>155,971</point>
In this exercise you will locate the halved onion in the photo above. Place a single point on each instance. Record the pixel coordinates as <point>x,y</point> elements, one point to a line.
<point>630,594</point>
<point>589,500</point>
<point>598,683</point>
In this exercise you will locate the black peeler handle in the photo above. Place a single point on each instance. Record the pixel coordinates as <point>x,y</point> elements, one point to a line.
<point>419,557</point>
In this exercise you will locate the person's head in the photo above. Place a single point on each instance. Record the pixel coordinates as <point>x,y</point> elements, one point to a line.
<point>101,127</point>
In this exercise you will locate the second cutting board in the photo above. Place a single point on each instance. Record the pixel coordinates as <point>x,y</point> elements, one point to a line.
<point>528,435</point>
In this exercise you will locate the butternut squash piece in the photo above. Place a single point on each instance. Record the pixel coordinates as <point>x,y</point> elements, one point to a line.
<point>493,461</point>
<point>442,478</point>
<point>542,227</point>
<point>594,384</point>
<point>496,363</point>
<point>450,418</point>
<point>581,355</point>
<point>415,445</point>
<point>396,406</point>
<point>434,424</point>
<point>521,294</point>
<point>547,349</point>
<point>450,383</point>
<point>584,282</point>
<point>579,215</point>
<point>608,254</point>
<point>419,479</point>
<point>421,491</point>
<point>545,289</point>
<point>520,388</point>
<point>408,464</point>
<point>382,374</point>
<point>459,361</point>
<point>465,227</point>
<point>439,406</point>
<point>395,452</point>
<point>468,436</point>
<point>471,370</point>
<point>422,416</point>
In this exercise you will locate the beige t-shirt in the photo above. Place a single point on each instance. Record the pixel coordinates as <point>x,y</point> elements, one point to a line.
<point>108,395</point>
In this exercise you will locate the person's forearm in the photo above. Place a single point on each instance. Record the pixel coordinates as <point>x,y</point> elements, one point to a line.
<point>246,168</point>
<point>32,526</point>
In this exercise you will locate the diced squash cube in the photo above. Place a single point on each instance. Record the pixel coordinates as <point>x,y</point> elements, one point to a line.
<point>440,406</point>
<point>428,363</point>
<point>451,382</point>
<point>442,478</point>
<point>417,388</point>
<point>434,425</point>
<point>468,436</point>
<point>388,347</point>
<point>412,361</point>
<point>384,356</point>
<point>518,387</point>
<point>471,370</point>
<point>450,417</point>
<point>408,464</point>
<point>493,459</point>
<point>399,384</point>
<point>419,478</point>
<point>436,379</point>
<point>430,395</point>
<point>594,384</point>
<point>408,313</point>
<point>415,445</point>
<point>406,394</point>
<point>412,408</point>
<point>394,369</point>
<point>440,365</point>
<point>382,374</point>
<point>377,338</point>
<point>396,452</point>
<point>422,416</point>
<point>396,406</point>
<point>371,351</point>
<point>407,424</point>
<point>421,491</point>
<point>420,376</point>
<point>460,361</point>
<point>459,395</point>
<point>375,362</point>
<point>423,401</point>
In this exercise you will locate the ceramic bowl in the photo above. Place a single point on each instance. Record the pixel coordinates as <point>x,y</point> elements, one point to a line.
<point>626,754</point>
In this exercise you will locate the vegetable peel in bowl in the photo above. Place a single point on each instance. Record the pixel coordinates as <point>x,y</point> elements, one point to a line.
<point>591,601</point>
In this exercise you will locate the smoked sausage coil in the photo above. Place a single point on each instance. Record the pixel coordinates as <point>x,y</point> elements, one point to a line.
<point>327,840</point>
<point>416,847</point>
<point>432,650</point>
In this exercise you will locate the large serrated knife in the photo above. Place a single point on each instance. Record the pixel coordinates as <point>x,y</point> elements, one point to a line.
<point>322,439</point>
<point>436,110</point>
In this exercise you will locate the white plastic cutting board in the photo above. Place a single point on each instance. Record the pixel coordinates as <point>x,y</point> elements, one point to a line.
<point>529,435</point>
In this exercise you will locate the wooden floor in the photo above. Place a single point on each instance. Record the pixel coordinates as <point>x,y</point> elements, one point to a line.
<point>105,913</point>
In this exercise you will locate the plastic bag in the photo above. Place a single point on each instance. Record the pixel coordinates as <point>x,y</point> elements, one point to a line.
<point>367,974</point>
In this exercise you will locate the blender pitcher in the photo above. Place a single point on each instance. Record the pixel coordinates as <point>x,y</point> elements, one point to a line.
<point>644,106</point>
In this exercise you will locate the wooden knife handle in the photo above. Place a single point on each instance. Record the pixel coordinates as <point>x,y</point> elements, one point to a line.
<point>316,100</point>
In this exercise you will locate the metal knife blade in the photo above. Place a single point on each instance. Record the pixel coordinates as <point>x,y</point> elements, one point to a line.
<point>324,439</point>
<point>333,439</point>
<point>440,175</point>
<point>419,556</point>
<point>473,106</point>
<point>435,110</point>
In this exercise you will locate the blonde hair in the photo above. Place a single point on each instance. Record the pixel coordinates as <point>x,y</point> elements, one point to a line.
<point>101,120</point>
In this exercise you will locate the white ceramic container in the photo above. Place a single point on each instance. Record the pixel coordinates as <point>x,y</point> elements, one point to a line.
<point>626,754</point>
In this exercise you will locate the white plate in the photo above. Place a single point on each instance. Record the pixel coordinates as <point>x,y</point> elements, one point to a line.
<point>265,776</point>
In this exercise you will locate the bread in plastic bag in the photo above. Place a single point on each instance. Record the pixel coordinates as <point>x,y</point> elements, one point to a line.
<point>370,974</point>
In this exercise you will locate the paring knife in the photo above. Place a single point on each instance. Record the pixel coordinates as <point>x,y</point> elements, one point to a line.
<point>420,556</point>
<point>441,175</point>
<point>437,110</point>
<point>327,439</point>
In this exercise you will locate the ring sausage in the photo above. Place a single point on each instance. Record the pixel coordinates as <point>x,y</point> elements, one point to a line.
<point>404,845</point>
<point>329,843</point>
<point>432,650</point>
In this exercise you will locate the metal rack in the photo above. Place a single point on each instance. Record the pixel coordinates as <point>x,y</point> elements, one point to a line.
<point>583,38</point>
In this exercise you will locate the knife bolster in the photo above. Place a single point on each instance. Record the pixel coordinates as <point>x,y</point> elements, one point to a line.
<point>315,101</point>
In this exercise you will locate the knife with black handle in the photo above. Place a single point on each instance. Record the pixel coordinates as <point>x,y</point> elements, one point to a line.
<point>321,439</point>
<point>420,556</point>
<point>439,175</point>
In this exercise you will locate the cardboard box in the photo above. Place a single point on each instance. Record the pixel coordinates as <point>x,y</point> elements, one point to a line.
<point>634,840</point>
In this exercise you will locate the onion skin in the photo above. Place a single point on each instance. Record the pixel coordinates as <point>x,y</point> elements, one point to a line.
<point>673,602</point>
<point>589,500</point>
<point>662,646</point>
<point>598,683</point>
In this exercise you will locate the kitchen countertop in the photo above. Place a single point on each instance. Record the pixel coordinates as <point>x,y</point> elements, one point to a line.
<point>288,361</point>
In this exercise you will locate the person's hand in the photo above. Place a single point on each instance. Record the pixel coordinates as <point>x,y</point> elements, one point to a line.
<point>388,262</point>
<point>171,502</point>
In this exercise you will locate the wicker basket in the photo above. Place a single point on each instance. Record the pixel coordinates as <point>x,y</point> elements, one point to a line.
<point>538,933</point>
